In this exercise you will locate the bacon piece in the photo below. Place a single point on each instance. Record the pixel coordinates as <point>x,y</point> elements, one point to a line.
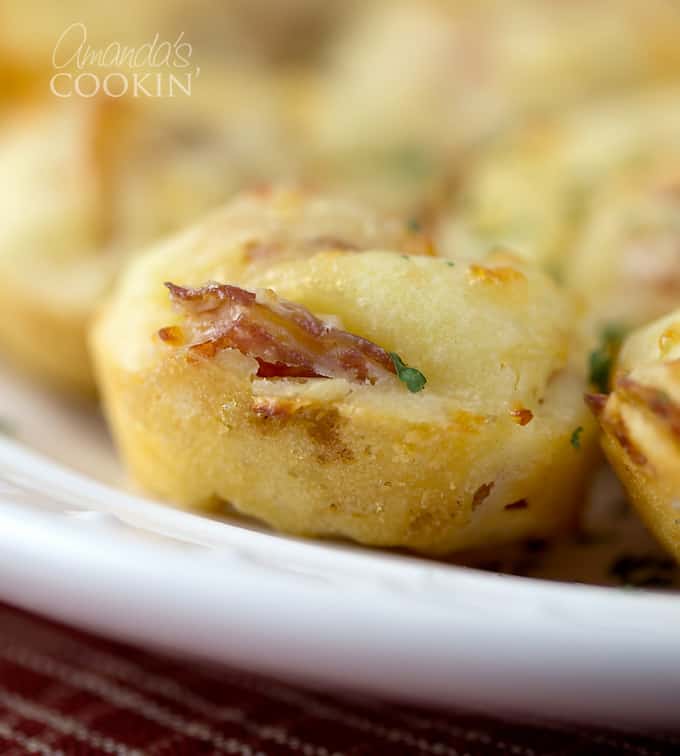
<point>596,403</point>
<point>522,415</point>
<point>285,338</point>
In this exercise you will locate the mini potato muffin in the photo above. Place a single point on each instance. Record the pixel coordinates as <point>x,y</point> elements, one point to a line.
<point>626,265</point>
<point>389,398</point>
<point>430,77</point>
<point>53,218</point>
<point>531,189</point>
<point>640,420</point>
<point>86,182</point>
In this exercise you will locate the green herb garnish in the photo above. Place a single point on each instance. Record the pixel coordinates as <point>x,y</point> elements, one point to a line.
<point>414,225</point>
<point>415,381</point>
<point>450,264</point>
<point>575,440</point>
<point>602,358</point>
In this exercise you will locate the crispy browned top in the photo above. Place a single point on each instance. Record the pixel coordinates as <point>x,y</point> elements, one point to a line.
<point>284,337</point>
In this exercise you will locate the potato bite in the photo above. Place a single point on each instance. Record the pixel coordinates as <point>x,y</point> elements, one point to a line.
<point>625,265</point>
<point>640,420</point>
<point>433,75</point>
<point>53,219</point>
<point>531,189</point>
<point>390,398</point>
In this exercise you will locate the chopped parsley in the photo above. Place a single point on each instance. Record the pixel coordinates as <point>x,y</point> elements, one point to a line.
<point>450,263</point>
<point>415,381</point>
<point>414,225</point>
<point>6,427</point>
<point>602,358</point>
<point>575,440</point>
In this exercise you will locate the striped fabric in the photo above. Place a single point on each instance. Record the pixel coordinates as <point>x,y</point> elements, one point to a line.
<point>64,692</point>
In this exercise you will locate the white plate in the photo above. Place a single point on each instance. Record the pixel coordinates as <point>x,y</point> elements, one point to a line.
<point>76,546</point>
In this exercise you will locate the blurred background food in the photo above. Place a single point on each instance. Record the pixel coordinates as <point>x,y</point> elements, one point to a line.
<point>533,187</point>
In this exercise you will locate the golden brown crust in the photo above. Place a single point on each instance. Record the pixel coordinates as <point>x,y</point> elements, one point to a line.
<point>640,421</point>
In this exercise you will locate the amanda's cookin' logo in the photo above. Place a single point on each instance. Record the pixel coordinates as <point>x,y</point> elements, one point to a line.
<point>159,68</point>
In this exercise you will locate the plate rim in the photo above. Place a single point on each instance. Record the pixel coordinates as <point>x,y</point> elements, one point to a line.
<point>365,621</point>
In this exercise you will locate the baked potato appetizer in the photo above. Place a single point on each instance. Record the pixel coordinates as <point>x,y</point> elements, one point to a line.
<point>431,76</point>
<point>391,398</point>
<point>53,221</point>
<point>87,181</point>
<point>640,420</point>
<point>625,264</point>
<point>531,188</point>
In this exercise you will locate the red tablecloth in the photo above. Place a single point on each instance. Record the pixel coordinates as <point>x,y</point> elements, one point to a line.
<point>65,692</point>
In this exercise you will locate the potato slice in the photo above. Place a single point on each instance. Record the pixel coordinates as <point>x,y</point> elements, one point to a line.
<point>250,390</point>
<point>641,424</point>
